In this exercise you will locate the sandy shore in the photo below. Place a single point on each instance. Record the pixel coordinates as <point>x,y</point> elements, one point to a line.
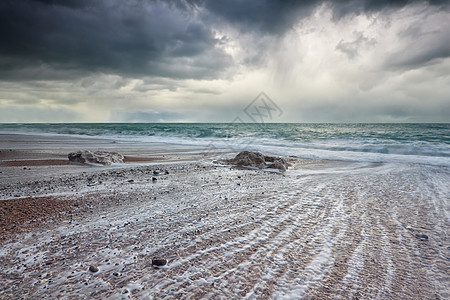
<point>322,230</point>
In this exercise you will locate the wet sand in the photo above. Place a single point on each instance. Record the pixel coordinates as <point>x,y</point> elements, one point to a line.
<point>322,230</point>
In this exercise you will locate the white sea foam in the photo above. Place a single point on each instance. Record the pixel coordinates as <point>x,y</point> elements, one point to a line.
<point>402,143</point>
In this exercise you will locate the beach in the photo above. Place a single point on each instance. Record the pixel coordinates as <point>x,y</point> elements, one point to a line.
<point>324,229</point>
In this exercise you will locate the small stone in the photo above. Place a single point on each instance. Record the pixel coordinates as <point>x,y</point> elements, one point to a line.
<point>156,172</point>
<point>422,237</point>
<point>93,269</point>
<point>154,179</point>
<point>131,181</point>
<point>159,262</point>
<point>116,274</point>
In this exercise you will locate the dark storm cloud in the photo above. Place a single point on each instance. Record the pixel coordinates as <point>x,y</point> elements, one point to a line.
<point>137,38</point>
<point>277,16</point>
<point>268,16</point>
<point>342,8</point>
<point>55,39</point>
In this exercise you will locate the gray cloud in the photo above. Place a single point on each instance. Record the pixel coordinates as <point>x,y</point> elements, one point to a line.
<point>423,45</point>
<point>370,110</point>
<point>39,38</point>
<point>351,49</point>
<point>22,114</point>
<point>57,39</point>
<point>275,16</point>
<point>342,8</point>
<point>145,116</point>
<point>196,60</point>
<point>268,16</point>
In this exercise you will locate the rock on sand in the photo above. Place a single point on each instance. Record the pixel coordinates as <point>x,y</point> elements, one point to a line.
<point>258,160</point>
<point>97,157</point>
<point>159,262</point>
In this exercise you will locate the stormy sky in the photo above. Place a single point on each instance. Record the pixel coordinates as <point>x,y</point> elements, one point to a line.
<point>206,60</point>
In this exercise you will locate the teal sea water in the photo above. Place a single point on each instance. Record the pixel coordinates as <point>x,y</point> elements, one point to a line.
<point>408,143</point>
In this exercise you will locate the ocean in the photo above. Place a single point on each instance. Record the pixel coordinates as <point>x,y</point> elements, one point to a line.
<point>401,143</point>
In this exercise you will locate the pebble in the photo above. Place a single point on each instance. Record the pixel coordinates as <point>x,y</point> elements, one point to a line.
<point>422,237</point>
<point>93,269</point>
<point>159,262</point>
<point>154,179</point>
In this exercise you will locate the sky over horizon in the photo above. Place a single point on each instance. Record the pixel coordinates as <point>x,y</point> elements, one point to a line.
<point>206,60</point>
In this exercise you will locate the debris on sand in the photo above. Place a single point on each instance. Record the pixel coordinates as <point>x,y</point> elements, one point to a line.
<point>258,160</point>
<point>160,172</point>
<point>97,157</point>
<point>422,237</point>
<point>159,262</point>
<point>93,269</point>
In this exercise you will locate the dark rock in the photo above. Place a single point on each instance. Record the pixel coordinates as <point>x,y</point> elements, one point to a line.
<point>422,237</point>
<point>159,262</point>
<point>154,179</point>
<point>257,160</point>
<point>249,159</point>
<point>269,158</point>
<point>156,172</point>
<point>93,269</point>
<point>131,181</point>
<point>98,157</point>
<point>116,274</point>
<point>279,163</point>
